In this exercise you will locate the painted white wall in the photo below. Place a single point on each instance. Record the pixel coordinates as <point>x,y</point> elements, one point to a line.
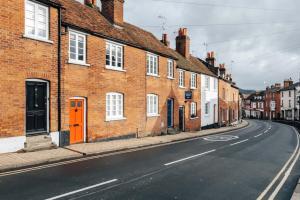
<point>12,144</point>
<point>285,99</point>
<point>55,137</point>
<point>209,96</point>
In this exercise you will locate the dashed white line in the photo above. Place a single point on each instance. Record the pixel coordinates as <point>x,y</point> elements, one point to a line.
<point>258,135</point>
<point>190,157</point>
<point>239,142</point>
<point>83,189</point>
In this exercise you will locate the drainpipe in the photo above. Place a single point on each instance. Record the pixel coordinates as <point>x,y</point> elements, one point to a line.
<point>59,73</point>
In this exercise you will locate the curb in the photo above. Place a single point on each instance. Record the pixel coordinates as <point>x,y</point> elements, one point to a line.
<point>119,151</point>
<point>296,194</point>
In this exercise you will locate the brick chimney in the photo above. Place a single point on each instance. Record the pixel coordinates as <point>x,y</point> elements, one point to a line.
<point>288,83</point>
<point>211,58</point>
<point>277,85</point>
<point>113,10</point>
<point>165,40</point>
<point>90,3</point>
<point>222,70</point>
<point>183,43</point>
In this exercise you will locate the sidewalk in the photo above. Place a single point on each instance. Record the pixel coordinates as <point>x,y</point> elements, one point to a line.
<point>12,161</point>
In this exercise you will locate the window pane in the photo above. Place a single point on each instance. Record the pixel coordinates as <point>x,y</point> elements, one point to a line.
<point>113,52</point>
<point>107,54</point>
<point>119,55</point>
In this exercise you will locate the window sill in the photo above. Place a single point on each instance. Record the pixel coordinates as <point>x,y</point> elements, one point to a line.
<point>181,87</point>
<point>193,118</point>
<point>153,75</point>
<point>171,78</point>
<point>78,63</point>
<point>116,119</point>
<point>114,68</point>
<point>156,115</point>
<point>38,39</point>
<point>193,88</point>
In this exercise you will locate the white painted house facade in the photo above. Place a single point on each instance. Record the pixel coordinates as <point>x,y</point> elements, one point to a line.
<point>209,101</point>
<point>289,102</point>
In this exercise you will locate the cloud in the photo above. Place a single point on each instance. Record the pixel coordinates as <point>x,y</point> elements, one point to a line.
<point>262,40</point>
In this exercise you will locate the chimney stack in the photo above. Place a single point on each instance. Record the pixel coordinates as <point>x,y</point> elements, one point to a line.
<point>165,40</point>
<point>222,70</point>
<point>113,10</point>
<point>90,3</point>
<point>277,85</point>
<point>211,58</point>
<point>288,83</point>
<point>183,43</point>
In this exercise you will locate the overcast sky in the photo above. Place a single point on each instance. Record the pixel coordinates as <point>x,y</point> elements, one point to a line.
<point>259,40</point>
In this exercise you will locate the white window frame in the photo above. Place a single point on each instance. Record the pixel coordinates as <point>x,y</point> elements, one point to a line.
<point>181,79</point>
<point>207,82</point>
<point>170,69</point>
<point>152,61</point>
<point>112,45</point>
<point>36,7</point>
<point>119,108</point>
<point>77,61</point>
<point>206,108</point>
<point>193,81</point>
<point>215,84</point>
<point>152,105</point>
<point>193,110</point>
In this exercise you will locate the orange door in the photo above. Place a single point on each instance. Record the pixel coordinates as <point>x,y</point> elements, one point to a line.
<point>76,120</point>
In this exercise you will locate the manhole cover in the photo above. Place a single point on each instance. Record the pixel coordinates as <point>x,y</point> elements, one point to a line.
<point>220,138</point>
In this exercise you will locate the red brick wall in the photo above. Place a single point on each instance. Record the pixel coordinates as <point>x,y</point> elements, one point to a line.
<point>95,81</point>
<point>22,59</point>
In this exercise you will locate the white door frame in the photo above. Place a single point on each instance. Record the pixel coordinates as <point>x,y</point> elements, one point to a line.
<point>84,115</point>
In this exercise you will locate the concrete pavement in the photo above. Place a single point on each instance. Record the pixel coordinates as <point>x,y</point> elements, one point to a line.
<point>249,163</point>
<point>12,161</point>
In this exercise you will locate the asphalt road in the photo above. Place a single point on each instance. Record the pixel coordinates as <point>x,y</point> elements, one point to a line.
<point>251,163</point>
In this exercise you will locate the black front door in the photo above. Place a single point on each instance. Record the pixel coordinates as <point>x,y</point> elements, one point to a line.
<point>181,118</point>
<point>36,107</point>
<point>170,113</point>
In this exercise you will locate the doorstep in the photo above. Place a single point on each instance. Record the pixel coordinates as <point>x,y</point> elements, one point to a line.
<point>12,161</point>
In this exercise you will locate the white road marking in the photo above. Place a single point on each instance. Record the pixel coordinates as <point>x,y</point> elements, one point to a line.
<point>286,175</point>
<point>220,138</point>
<point>239,142</point>
<point>258,135</point>
<point>83,189</point>
<point>266,131</point>
<point>190,157</point>
<point>263,194</point>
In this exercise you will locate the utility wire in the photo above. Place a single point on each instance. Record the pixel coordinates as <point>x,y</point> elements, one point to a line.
<point>226,6</point>
<point>220,24</point>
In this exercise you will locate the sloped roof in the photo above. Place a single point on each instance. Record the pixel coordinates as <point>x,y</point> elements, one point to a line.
<point>77,15</point>
<point>291,87</point>
<point>190,64</point>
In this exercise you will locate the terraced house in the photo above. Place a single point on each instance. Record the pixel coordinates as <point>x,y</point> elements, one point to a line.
<point>74,72</point>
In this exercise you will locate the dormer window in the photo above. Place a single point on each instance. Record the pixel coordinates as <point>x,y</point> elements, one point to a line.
<point>36,20</point>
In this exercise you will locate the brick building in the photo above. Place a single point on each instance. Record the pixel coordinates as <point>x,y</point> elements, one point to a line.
<point>29,71</point>
<point>272,102</point>
<point>91,74</point>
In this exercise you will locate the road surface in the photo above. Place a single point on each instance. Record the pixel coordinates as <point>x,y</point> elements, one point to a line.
<point>250,163</point>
